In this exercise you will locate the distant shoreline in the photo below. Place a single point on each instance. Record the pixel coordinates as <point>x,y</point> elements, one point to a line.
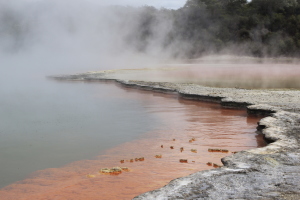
<point>269,172</point>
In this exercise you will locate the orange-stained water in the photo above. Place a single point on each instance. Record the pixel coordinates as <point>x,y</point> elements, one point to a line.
<point>210,125</point>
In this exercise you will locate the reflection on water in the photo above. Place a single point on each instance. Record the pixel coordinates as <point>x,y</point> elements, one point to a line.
<point>46,124</point>
<point>179,119</point>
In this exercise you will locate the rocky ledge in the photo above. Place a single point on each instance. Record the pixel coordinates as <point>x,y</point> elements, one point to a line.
<point>271,172</point>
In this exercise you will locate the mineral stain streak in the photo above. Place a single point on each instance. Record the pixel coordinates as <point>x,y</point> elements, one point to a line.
<point>272,172</point>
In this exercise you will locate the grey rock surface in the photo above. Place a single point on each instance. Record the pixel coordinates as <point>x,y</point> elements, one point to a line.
<point>271,172</point>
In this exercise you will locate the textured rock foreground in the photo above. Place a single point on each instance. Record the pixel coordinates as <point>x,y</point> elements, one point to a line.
<point>272,172</point>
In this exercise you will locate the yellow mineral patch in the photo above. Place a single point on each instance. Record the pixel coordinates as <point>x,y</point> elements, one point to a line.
<point>194,150</point>
<point>272,161</point>
<point>90,176</point>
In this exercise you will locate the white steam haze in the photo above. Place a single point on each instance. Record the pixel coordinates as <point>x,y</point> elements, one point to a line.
<point>40,118</point>
<point>51,37</point>
<point>64,36</point>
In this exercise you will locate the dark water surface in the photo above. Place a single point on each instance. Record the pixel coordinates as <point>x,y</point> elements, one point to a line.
<point>45,124</point>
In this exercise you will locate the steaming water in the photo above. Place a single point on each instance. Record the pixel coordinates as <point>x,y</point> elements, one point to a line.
<point>46,124</point>
<point>54,123</point>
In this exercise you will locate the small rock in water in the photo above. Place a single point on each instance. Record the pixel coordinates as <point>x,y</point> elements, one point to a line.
<point>125,169</point>
<point>122,161</point>
<point>181,149</point>
<point>141,159</point>
<point>104,170</point>
<point>216,165</point>
<point>116,170</point>
<point>158,156</point>
<point>194,150</point>
<point>112,171</point>
<point>162,146</point>
<point>183,160</point>
<point>218,150</point>
<point>171,147</point>
<point>209,163</point>
<point>174,139</point>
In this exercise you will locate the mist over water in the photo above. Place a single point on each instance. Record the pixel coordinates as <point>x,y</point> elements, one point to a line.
<point>64,36</point>
<point>56,37</point>
<point>48,124</point>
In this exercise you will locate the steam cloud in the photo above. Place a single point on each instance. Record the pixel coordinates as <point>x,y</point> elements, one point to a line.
<point>65,36</point>
<point>78,33</point>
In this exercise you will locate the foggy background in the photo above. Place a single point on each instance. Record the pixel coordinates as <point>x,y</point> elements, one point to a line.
<point>49,37</point>
<point>69,36</point>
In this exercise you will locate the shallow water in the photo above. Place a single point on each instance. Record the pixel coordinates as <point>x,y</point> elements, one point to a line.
<point>46,124</point>
<point>128,123</point>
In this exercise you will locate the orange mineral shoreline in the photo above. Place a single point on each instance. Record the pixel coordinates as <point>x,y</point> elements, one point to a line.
<point>183,145</point>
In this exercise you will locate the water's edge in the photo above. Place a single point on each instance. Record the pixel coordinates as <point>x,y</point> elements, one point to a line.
<point>271,172</point>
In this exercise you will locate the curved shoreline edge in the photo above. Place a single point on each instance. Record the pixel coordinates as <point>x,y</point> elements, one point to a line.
<point>271,172</point>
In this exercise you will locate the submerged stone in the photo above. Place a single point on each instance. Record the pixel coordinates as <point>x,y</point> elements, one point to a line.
<point>104,170</point>
<point>141,159</point>
<point>90,176</point>
<point>183,160</point>
<point>158,156</point>
<point>194,150</point>
<point>113,170</point>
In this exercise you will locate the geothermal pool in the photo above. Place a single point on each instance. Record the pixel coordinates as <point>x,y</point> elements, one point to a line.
<point>54,134</point>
